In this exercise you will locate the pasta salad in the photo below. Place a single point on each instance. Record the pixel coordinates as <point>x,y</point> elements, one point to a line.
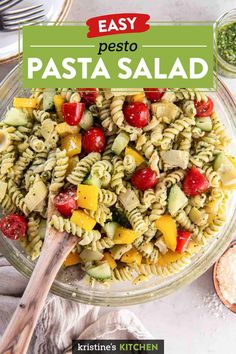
<point>141,177</point>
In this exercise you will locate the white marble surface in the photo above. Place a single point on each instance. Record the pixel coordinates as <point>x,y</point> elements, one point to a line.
<point>187,325</point>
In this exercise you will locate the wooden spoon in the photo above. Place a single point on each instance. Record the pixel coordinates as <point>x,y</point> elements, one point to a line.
<point>56,247</point>
<point>231,307</point>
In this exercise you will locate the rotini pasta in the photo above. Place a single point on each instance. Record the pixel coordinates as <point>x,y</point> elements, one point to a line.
<point>82,168</point>
<point>120,218</point>
<point>59,172</point>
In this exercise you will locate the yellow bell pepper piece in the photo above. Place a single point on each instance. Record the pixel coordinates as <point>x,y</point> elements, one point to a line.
<point>58,102</point>
<point>132,256</point>
<point>232,159</point>
<point>124,236</point>
<point>72,259</point>
<point>110,260</point>
<point>64,129</point>
<point>71,164</point>
<point>83,220</point>
<point>87,197</point>
<point>167,225</point>
<point>169,257</point>
<point>136,98</point>
<point>25,102</point>
<point>72,144</point>
<point>229,188</point>
<point>212,208</point>
<point>139,159</point>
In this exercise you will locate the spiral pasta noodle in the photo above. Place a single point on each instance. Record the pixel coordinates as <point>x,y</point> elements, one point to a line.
<point>101,215</point>
<point>137,221</point>
<point>22,163</point>
<point>117,176</point>
<point>173,131</point>
<point>108,153</point>
<point>102,243</point>
<point>65,225</point>
<point>59,172</point>
<point>35,243</point>
<point>105,116</point>
<point>189,94</point>
<point>8,160</point>
<point>116,109</point>
<point>41,115</point>
<point>82,168</point>
<point>107,197</point>
<point>129,165</point>
<point>17,197</point>
<point>122,274</point>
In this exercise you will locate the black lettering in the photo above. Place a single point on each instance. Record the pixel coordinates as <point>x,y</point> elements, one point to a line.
<point>102,48</point>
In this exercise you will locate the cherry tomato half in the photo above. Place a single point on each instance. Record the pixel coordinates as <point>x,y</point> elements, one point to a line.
<point>182,240</point>
<point>13,226</point>
<point>88,95</point>
<point>73,112</point>
<point>144,178</point>
<point>154,94</point>
<point>136,114</point>
<point>65,202</point>
<point>204,109</point>
<point>94,140</point>
<point>195,182</point>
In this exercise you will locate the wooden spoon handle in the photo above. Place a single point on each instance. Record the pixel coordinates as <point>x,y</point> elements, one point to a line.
<point>18,334</point>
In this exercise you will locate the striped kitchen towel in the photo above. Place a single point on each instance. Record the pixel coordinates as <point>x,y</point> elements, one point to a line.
<point>63,320</point>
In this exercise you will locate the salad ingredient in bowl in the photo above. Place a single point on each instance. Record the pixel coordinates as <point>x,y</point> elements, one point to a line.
<point>226,40</point>
<point>225,47</point>
<point>177,257</point>
<point>178,193</point>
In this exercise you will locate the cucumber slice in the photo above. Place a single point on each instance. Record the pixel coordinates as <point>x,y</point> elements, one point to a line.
<point>120,218</point>
<point>88,255</point>
<point>226,169</point>
<point>16,117</point>
<point>87,120</point>
<point>110,228</point>
<point>48,102</point>
<point>100,272</point>
<point>220,160</point>
<point>93,181</point>
<point>120,143</point>
<point>204,124</point>
<point>176,200</point>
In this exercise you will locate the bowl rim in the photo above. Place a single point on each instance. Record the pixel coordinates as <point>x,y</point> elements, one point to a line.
<point>89,297</point>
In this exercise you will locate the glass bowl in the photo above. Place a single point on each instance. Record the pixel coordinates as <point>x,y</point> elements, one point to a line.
<point>222,67</point>
<point>69,284</point>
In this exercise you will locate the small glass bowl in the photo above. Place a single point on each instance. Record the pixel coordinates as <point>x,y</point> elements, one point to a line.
<point>222,67</point>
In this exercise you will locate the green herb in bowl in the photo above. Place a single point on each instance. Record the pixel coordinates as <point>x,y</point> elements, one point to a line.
<point>226,43</point>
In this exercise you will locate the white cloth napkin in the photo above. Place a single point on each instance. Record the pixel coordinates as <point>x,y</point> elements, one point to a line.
<point>62,320</point>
